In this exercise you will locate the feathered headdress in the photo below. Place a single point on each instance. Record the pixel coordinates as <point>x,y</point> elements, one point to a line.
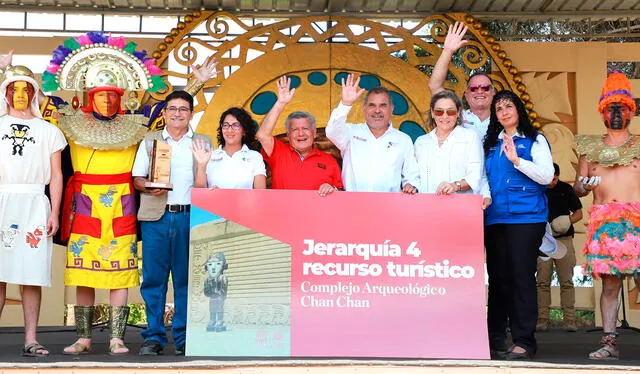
<point>96,60</point>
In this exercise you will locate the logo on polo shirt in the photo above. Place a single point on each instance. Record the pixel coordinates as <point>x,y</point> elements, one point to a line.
<point>321,166</point>
<point>216,159</point>
<point>356,137</point>
<point>391,144</point>
<point>521,146</point>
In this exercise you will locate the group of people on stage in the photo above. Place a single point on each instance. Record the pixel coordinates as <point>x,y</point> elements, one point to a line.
<point>491,149</point>
<point>525,194</point>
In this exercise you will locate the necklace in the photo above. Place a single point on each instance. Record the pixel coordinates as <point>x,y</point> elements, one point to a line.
<point>596,150</point>
<point>441,139</point>
<point>604,138</point>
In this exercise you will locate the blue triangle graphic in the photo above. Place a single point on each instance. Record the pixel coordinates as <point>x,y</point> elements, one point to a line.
<point>200,216</point>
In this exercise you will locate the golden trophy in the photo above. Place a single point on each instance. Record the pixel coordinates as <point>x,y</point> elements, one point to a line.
<point>160,171</point>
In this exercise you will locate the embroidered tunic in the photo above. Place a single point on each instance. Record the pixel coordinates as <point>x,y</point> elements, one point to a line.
<point>102,249</point>
<point>26,147</point>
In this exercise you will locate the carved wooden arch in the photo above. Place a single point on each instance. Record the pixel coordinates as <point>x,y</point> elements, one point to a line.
<point>294,55</point>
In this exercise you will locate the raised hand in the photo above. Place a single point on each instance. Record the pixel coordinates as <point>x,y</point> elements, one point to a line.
<point>350,90</point>
<point>454,39</point>
<point>207,70</point>
<point>200,153</point>
<point>5,60</point>
<point>284,93</point>
<point>509,149</point>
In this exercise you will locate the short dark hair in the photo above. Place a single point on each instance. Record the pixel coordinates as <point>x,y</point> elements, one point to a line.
<point>378,90</point>
<point>556,169</point>
<point>184,95</point>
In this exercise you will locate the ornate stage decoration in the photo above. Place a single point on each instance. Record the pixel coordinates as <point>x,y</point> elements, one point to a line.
<point>317,51</point>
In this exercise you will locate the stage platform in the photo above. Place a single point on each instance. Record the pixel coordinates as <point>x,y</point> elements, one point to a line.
<point>559,351</point>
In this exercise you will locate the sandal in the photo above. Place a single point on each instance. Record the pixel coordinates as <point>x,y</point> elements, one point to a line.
<point>34,350</point>
<point>77,349</point>
<point>115,347</point>
<point>608,351</point>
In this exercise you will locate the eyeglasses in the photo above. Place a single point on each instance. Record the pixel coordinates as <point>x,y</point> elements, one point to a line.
<point>480,87</point>
<point>228,126</point>
<point>182,109</point>
<point>441,112</point>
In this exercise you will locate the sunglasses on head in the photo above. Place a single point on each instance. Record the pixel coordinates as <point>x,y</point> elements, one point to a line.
<point>441,112</point>
<point>480,87</point>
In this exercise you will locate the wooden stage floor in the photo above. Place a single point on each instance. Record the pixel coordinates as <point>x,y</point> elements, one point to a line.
<point>558,351</point>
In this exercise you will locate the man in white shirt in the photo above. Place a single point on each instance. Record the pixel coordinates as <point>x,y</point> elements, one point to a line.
<point>164,219</point>
<point>480,90</point>
<point>376,157</point>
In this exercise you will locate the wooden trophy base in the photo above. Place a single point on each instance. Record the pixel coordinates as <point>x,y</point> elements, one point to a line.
<point>158,185</point>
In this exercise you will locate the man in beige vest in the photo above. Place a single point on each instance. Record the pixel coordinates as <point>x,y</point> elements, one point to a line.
<point>164,218</point>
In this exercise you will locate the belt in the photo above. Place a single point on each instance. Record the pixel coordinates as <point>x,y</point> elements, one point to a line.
<point>177,208</point>
<point>22,188</point>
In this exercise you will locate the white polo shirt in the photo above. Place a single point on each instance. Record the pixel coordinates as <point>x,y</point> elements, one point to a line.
<point>471,121</point>
<point>459,157</point>
<point>181,166</point>
<point>371,164</point>
<point>237,171</point>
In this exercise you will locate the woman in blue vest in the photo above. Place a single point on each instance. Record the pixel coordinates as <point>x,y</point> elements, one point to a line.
<point>519,167</point>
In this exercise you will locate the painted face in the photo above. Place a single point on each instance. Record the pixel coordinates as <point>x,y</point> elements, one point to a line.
<point>479,93</point>
<point>177,114</point>
<point>301,134</point>
<point>507,114</point>
<point>106,103</point>
<point>445,114</point>
<point>214,268</point>
<point>232,130</point>
<point>377,111</point>
<point>617,116</point>
<point>20,94</point>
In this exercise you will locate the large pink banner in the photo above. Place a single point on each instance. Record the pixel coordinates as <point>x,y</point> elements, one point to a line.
<point>373,274</point>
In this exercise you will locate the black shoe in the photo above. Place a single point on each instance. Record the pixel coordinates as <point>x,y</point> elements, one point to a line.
<point>498,349</point>
<point>512,356</point>
<point>180,350</point>
<point>151,348</point>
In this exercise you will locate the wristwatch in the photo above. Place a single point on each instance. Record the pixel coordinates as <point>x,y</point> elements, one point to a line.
<point>458,186</point>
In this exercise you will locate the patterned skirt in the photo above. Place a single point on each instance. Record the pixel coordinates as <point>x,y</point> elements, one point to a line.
<point>613,240</point>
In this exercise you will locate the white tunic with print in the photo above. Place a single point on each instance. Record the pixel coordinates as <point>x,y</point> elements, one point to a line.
<point>25,168</point>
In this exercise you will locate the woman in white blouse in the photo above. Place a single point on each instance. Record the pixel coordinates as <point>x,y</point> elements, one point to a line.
<point>234,164</point>
<point>449,157</point>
